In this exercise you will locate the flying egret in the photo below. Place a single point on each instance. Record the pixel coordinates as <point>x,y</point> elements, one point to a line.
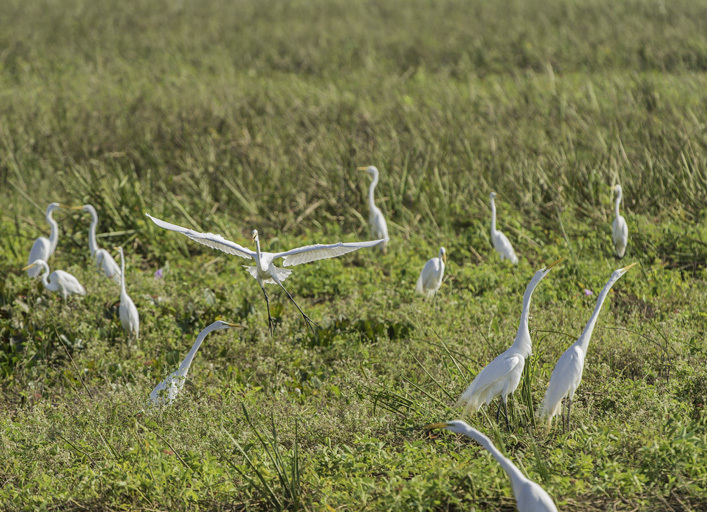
<point>175,382</point>
<point>104,260</point>
<point>567,374</point>
<point>44,247</point>
<point>265,271</point>
<point>58,281</point>
<point>530,497</point>
<point>619,226</point>
<point>431,276</point>
<point>500,241</point>
<point>129,318</point>
<point>502,375</point>
<point>379,229</point>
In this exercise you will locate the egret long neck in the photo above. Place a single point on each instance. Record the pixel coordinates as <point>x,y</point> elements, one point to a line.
<point>257,252</point>
<point>513,472</point>
<point>371,202</point>
<point>54,234</point>
<point>522,342</point>
<point>618,201</point>
<point>122,274</point>
<point>184,367</point>
<point>493,215</point>
<point>583,341</point>
<point>45,275</point>
<point>92,245</point>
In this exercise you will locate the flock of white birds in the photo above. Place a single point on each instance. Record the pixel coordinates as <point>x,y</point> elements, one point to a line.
<point>500,378</point>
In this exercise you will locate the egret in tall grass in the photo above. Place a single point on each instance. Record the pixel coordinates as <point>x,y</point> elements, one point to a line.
<point>530,497</point>
<point>265,271</point>
<point>58,281</point>
<point>567,374</point>
<point>44,247</point>
<point>104,260</point>
<point>129,318</point>
<point>431,276</point>
<point>619,226</point>
<point>500,241</point>
<point>166,391</point>
<point>379,228</point>
<point>502,375</point>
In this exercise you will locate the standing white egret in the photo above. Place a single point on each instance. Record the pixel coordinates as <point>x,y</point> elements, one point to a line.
<point>379,228</point>
<point>502,375</point>
<point>431,276</point>
<point>103,259</point>
<point>58,281</point>
<point>175,382</point>
<point>265,271</point>
<point>619,226</point>
<point>499,240</point>
<point>44,247</point>
<point>530,497</point>
<point>129,318</point>
<point>567,374</point>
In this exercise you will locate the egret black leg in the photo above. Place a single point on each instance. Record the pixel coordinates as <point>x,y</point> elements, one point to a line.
<point>498,410</point>
<point>271,324</point>
<point>569,407</point>
<point>308,320</point>
<point>505,413</point>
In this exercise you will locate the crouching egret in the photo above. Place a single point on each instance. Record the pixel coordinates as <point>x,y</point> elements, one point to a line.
<point>166,391</point>
<point>129,318</point>
<point>500,241</point>
<point>44,247</point>
<point>58,281</point>
<point>265,271</point>
<point>379,228</point>
<point>502,375</point>
<point>619,226</point>
<point>567,374</point>
<point>431,276</point>
<point>530,497</point>
<point>104,260</point>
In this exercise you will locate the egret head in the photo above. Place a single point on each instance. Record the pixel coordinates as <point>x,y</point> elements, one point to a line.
<point>55,206</point>
<point>86,208</point>
<point>621,271</point>
<point>119,249</point>
<point>540,274</point>
<point>370,170</point>
<point>220,324</point>
<point>255,235</point>
<point>36,263</point>
<point>492,196</point>
<point>443,254</point>
<point>456,426</point>
<point>616,188</point>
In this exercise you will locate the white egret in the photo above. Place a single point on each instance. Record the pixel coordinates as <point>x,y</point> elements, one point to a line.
<point>166,391</point>
<point>499,240</point>
<point>265,271</point>
<point>567,374</point>
<point>103,259</point>
<point>379,228</point>
<point>530,497</point>
<point>44,247</point>
<point>58,281</point>
<point>619,226</point>
<point>502,375</point>
<point>431,276</point>
<point>129,318</point>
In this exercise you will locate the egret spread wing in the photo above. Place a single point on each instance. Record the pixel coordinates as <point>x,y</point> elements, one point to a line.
<point>321,252</point>
<point>208,239</point>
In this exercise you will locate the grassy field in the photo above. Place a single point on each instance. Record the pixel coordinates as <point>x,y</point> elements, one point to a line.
<point>227,116</point>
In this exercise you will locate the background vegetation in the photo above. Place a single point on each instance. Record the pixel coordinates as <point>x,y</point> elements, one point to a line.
<point>230,115</point>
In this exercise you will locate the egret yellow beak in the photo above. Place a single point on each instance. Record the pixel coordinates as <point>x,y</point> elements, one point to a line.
<point>116,248</point>
<point>72,207</point>
<point>444,258</point>
<point>625,269</point>
<point>29,266</point>
<point>436,425</point>
<point>234,325</point>
<point>553,264</point>
<point>361,168</point>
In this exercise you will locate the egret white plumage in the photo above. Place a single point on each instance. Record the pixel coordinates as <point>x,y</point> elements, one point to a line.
<point>166,391</point>
<point>376,220</point>
<point>619,226</point>
<point>530,497</point>
<point>567,374</point>
<point>44,247</point>
<point>104,260</point>
<point>499,240</point>
<point>58,281</point>
<point>129,318</point>
<point>431,276</point>
<point>265,271</point>
<point>502,375</point>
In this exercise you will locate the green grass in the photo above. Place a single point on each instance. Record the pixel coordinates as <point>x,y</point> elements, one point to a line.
<point>229,116</point>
